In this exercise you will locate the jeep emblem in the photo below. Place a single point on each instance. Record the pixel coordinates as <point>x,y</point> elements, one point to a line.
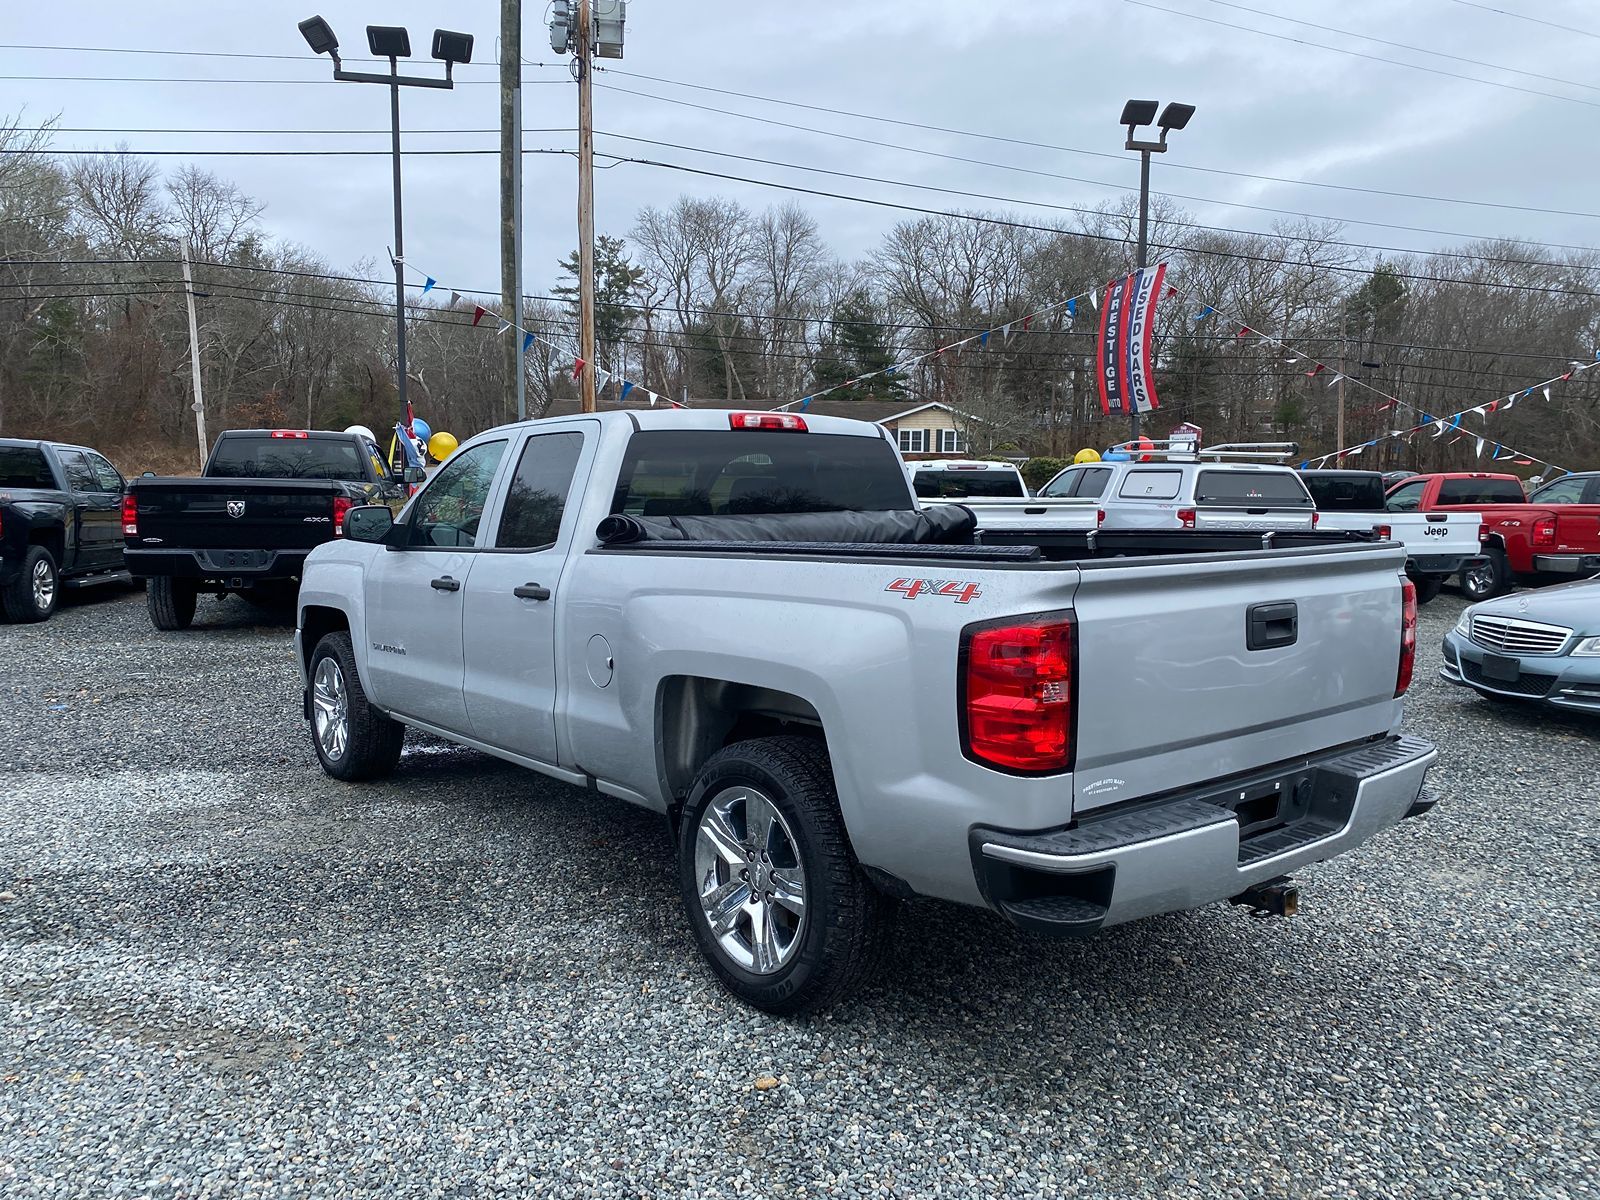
<point>236,508</point>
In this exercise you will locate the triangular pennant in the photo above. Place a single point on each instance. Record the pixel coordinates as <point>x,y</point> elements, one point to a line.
<point>983,338</point>
<point>1171,291</point>
<point>1480,448</point>
<point>653,397</point>
<point>1072,308</point>
<point>1005,332</point>
<point>504,325</point>
<point>455,299</point>
<point>1338,377</point>
<point>1027,321</point>
<point>477,313</point>
<point>1094,300</point>
<point>805,403</point>
<point>428,285</point>
<point>1244,332</point>
<point>1566,377</point>
<point>627,386</point>
<point>1315,371</point>
<point>1547,394</point>
<point>1203,314</point>
<point>577,367</point>
<point>527,342</point>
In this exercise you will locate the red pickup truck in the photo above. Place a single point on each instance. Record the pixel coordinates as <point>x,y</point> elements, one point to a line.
<point>1549,536</point>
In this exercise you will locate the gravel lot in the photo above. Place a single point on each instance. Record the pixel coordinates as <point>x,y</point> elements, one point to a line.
<point>222,973</point>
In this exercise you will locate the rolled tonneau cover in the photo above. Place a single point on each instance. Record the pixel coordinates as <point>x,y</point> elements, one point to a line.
<point>947,524</point>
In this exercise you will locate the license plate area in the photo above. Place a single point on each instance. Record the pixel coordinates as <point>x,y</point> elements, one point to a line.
<point>1501,668</point>
<point>235,560</point>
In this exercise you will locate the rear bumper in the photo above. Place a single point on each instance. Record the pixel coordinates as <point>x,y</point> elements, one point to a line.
<point>226,567</point>
<point>1556,679</point>
<point>1440,564</point>
<point>1201,846</point>
<point>1567,564</point>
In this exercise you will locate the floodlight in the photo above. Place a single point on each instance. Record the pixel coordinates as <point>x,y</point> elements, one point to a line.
<point>452,47</point>
<point>1138,112</point>
<point>389,41</point>
<point>319,36</point>
<point>1174,116</point>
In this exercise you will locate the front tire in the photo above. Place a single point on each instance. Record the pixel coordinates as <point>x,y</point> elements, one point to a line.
<point>778,903</point>
<point>1427,587</point>
<point>353,740</point>
<point>1489,578</point>
<point>32,595</point>
<point>171,602</point>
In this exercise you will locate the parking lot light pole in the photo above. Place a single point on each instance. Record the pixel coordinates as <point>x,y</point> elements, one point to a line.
<point>1137,113</point>
<point>394,43</point>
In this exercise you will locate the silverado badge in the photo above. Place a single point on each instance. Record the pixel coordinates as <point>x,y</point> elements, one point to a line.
<point>236,508</point>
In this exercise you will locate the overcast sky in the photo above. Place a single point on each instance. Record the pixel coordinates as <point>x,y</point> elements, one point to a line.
<point>1056,71</point>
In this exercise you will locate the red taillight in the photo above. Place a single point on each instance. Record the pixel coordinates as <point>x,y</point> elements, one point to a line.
<point>130,514</point>
<point>1316,518</point>
<point>1384,532</point>
<point>290,433</point>
<point>1187,517</point>
<point>1544,531</point>
<point>1017,693</point>
<point>1099,517</point>
<point>1408,637</point>
<point>767,421</point>
<point>341,506</point>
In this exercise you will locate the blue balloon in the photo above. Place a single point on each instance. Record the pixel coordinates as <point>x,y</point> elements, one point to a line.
<point>1116,456</point>
<point>421,428</point>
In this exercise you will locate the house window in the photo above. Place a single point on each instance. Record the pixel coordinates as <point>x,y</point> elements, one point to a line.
<point>913,441</point>
<point>951,442</point>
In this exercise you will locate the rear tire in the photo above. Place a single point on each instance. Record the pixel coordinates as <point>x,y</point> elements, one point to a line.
<point>1487,579</point>
<point>353,740</point>
<point>171,602</point>
<point>1427,587</point>
<point>762,849</point>
<point>32,595</point>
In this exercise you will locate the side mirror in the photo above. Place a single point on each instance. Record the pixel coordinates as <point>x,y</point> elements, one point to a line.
<point>416,475</point>
<point>147,474</point>
<point>368,523</point>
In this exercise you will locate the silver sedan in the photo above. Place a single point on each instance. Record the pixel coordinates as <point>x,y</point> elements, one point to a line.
<point>1540,646</point>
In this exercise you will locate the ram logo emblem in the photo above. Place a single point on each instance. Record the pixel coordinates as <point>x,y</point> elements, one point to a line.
<point>236,508</point>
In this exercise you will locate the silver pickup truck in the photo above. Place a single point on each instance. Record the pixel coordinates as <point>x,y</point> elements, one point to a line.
<point>743,622</point>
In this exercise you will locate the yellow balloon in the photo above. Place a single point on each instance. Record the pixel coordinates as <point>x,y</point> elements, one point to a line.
<point>442,445</point>
<point>1086,455</point>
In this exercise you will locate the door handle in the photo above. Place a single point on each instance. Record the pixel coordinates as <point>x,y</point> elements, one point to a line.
<point>446,584</point>
<point>531,591</point>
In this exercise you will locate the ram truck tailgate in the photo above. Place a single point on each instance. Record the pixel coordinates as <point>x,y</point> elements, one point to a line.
<point>205,514</point>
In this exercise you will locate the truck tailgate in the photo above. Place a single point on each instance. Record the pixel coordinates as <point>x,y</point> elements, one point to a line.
<point>1218,518</point>
<point>1170,692</point>
<point>205,514</point>
<point>1577,530</point>
<point>1056,514</point>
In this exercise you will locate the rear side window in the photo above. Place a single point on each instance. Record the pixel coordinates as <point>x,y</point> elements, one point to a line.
<point>531,519</point>
<point>267,457</point>
<point>706,472</point>
<point>1151,485</point>
<point>79,477</point>
<point>1346,493</point>
<point>933,485</point>
<point>24,467</point>
<point>1084,482</point>
<point>1480,491</point>
<point>1562,491</point>
<point>1252,489</point>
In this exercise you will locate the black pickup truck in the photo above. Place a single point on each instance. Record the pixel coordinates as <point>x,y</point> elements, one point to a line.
<point>58,524</point>
<point>266,499</point>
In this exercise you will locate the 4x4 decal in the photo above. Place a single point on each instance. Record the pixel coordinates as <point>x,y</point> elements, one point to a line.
<point>958,590</point>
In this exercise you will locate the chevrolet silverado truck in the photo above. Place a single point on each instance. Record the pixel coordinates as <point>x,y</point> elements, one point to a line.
<point>1524,541</point>
<point>1438,545</point>
<point>58,524</point>
<point>246,524</point>
<point>743,621</point>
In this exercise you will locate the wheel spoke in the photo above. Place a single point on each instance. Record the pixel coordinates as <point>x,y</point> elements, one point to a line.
<point>719,835</point>
<point>789,889</point>
<point>758,816</point>
<point>763,939</point>
<point>724,904</point>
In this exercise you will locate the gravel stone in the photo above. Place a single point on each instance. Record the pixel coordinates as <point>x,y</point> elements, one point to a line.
<point>225,974</point>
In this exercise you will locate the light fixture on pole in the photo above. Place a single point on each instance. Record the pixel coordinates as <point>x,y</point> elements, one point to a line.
<point>1136,114</point>
<point>394,43</point>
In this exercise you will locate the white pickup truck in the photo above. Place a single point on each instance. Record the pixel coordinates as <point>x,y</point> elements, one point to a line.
<point>743,622</point>
<point>1438,545</point>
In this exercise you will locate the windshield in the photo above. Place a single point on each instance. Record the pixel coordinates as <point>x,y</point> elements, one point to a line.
<point>943,485</point>
<point>1346,493</point>
<point>1252,489</point>
<point>705,472</point>
<point>24,467</point>
<point>267,457</point>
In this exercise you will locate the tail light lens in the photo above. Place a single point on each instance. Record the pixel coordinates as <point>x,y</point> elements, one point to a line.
<point>130,514</point>
<point>1099,517</point>
<point>1544,531</point>
<point>1017,689</point>
<point>1408,637</point>
<point>1186,517</point>
<point>341,506</point>
<point>1384,532</point>
<point>1316,519</point>
<point>758,420</point>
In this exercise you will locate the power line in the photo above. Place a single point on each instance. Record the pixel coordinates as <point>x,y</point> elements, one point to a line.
<point>1393,62</point>
<point>1121,158</point>
<point>1096,213</point>
<point>228,54</point>
<point>1475,62</point>
<point>1524,17</point>
<point>84,152</point>
<point>208,79</point>
<point>408,131</point>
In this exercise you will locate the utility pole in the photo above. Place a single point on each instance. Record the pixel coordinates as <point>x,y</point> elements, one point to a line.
<point>513,395</point>
<point>585,209</point>
<point>1338,437</point>
<point>194,357</point>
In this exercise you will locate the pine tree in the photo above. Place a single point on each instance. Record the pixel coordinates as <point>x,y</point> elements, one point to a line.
<point>856,345</point>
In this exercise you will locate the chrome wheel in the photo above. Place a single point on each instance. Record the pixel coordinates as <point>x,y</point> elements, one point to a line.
<point>751,883</point>
<point>330,708</point>
<point>44,585</point>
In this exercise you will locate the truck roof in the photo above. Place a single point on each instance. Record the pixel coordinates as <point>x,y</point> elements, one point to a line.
<point>709,418</point>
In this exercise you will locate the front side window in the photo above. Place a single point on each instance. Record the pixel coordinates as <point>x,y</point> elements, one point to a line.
<point>1562,491</point>
<point>105,474</point>
<point>449,509</point>
<point>538,494</point>
<point>1405,498</point>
